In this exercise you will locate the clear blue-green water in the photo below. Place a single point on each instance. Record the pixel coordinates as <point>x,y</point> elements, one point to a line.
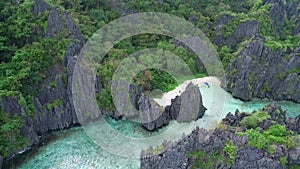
<point>74,149</point>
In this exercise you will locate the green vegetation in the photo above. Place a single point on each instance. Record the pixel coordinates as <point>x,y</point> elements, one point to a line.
<point>104,99</point>
<point>92,15</point>
<point>158,150</point>
<point>10,136</point>
<point>276,134</point>
<point>266,87</point>
<point>53,84</point>
<point>283,160</point>
<point>293,166</point>
<point>203,160</point>
<point>253,120</point>
<point>54,104</point>
<point>231,150</point>
<point>27,55</point>
<point>148,79</point>
<point>295,70</point>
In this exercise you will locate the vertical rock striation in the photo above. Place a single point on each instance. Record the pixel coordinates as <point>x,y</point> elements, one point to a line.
<point>176,155</point>
<point>54,107</point>
<point>257,71</point>
<point>184,108</point>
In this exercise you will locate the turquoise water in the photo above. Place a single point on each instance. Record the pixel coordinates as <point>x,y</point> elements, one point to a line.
<point>74,148</point>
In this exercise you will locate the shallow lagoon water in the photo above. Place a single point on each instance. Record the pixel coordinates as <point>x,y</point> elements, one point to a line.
<point>73,148</point>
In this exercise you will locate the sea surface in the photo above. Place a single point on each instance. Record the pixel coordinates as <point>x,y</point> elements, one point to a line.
<point>110,144</point>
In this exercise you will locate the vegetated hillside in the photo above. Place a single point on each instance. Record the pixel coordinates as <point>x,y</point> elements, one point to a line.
<point>263,139</point>
<point>40,41</point>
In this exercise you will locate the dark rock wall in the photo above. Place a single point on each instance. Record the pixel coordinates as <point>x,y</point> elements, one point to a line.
<point>1,161</point>
<point>260,72</point>
<point>63,115</point>
<point>175,155</point>
<point>40,6</point>
<point>184,108</point>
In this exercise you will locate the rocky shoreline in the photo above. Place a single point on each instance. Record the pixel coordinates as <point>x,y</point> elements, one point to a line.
<point>62,116</point>
<point>178,155</point>
<point>184,108</point>
<point>257,71</point>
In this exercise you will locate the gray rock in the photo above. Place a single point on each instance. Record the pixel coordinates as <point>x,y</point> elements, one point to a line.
<point>280,151</point>
<point>294,124</point>
<point>11,105</point>
<point>151,115</point>
<point>61,116</point>
<point>291,9</point>
<point>1,161</point>
<point>40,6</point>
<point>191,104</point>
<point>174,155</point>
<point>126,98</point>
<point>296,30</point>
<point>55,24</point>
<point>277,12</point>
<point>184,108</point>
<point>244,30</point>
<point>294,156</point>
<point>260,72</point>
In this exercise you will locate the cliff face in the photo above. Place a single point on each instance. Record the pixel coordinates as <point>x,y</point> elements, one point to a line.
<point>261,71</point>
<point>1,161</point>
<point>184,108</point>
<point>177,155</point>
<point>257,71</point>
<point>53,104</point>
<point>54,107</point>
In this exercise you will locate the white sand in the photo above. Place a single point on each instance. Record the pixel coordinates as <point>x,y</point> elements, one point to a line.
<point>166,98</point>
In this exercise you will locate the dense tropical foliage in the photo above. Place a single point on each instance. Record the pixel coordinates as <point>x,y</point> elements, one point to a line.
<point>27,55</point>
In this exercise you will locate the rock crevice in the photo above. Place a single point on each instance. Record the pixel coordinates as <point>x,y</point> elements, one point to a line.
<point>257,71</point>
<point>177,155</point>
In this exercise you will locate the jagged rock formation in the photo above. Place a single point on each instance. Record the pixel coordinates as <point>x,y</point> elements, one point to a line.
<point>62,115</point>
<point>260,72</point>
<point>175,155</point>
<point>151,114</point>
<point>184,108</point>
<point>277,13</point>
<point>54,107</point>
<point>40,6</point>
<point>1,161</point>
<point>244,30</point>
<point>191,105</point>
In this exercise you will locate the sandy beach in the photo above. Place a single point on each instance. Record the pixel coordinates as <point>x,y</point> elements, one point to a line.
<point>166,98</point>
